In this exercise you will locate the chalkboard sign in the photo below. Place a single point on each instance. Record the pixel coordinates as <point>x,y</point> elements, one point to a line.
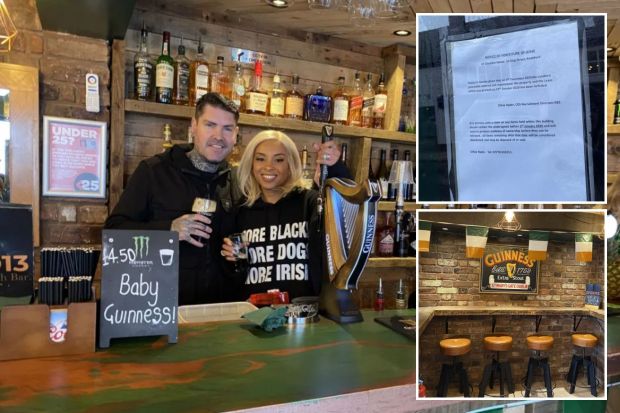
<point>16,264</point>
<point>139,285</point>
<point>508,269</point>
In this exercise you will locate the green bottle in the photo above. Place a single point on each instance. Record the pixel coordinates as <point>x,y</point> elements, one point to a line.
<point>164,73</point>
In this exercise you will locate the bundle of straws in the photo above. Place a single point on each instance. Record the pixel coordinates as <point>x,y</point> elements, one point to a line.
<point>67,273</point>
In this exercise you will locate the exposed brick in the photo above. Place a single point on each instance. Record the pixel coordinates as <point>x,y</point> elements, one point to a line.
<point>54,233</point>
<point>49,91</point>
<point>18,43</point>
<point>92,214</point>
<point>445,262</point>
<point>67,213</point>
<point>35,43</point>
<point>442,290</point>
<point>73,111</point>
<point>67,45</point>
<point>431,283</point>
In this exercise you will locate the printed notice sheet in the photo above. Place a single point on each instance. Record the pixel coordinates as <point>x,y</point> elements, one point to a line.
<point>518,119</point>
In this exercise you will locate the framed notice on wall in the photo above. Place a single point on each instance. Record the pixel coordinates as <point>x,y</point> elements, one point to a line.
<point>74,157</point>
<point>518,114</point>
<point>508,269</point>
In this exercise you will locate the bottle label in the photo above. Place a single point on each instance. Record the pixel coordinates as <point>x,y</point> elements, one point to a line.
<point>294,106</point>
<point>164,76</point>
<point>239,89</point>
<point>379,104</point>
<point>144,77</point>
<point>202,77</point>
<point>341,110</point>
<point>276,107</point>
<point>386,245</point>
<point>385,188</point>
<point>355,110</point>
<point>257,102</point>
<point>367,106</point>
<point>182,80</point>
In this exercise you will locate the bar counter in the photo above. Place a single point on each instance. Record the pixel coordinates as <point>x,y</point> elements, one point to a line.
<point>426,314</point>
<point>221,366</point>
<point>475,322</point>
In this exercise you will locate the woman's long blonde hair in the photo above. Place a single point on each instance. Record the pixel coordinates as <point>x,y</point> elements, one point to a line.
<point>249,187</point>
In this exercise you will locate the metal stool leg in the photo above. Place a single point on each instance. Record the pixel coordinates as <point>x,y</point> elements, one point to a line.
<point>531,366</point>
<point>464,381</point>
<point>591,369</point>
<point>442,388</point>
<point>547,376</point>
<point>486,376</point>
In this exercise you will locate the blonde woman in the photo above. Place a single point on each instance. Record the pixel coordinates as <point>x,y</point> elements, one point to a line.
<point>278,218</point>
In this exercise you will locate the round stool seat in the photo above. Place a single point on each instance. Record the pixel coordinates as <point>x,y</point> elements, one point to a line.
<point>498,343</point>
<point>584,340</point>
<point>539,342</point>
<point>455,346</point>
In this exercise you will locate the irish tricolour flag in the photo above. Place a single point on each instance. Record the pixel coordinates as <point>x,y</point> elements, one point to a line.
<point>424,236</point>
<point>537,250</point>
<point>583,247</point>
<point>475,241</point>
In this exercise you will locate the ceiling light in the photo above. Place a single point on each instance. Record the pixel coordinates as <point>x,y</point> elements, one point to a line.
<point>611,225</point>
<point>510,215</point>
<point>280,4</point>
<point>509,222</point>
<point>402,32</point>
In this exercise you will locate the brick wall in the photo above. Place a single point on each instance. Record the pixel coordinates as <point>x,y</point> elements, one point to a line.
<point>448,278</point>
<point>519,327</point>
<point>63,60</point>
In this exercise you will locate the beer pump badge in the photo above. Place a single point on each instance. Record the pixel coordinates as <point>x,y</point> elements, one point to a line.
<point>508,269</point>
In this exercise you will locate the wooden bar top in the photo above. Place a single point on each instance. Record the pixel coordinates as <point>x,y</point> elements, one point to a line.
<point>426,314</point>
<point>219,366</point>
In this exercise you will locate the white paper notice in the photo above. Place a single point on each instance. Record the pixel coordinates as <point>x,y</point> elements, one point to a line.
<point>518,116</point>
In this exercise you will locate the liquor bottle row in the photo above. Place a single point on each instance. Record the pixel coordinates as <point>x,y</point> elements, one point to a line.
<point>389,187</point>
<point>395,237</point>
<point>182,82</point>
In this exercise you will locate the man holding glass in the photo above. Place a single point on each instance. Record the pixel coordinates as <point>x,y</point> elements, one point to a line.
<point>162,190</point>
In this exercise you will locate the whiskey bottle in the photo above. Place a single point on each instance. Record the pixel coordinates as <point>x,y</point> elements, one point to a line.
<point>410,192</point>
<point>318,106</point>
<point>307,173</point>
<point>355,102</point>
<point>368,102</point>
<point>378,111</point>
<point>256,99</point>
<point>392,186</point>
<point>143,69</point>
<point>180,92</point>
<point>167,143</point>
<point>220,83</point>
<point>401,234</point>
<point>238,86</point>
<point>294,108</point>
<point>341,104</point>
<point>617,110</point>
<point>276,102</point>
<point>164,76</point>
<point>412,235</point>
<point>385,237</point>
<point>371,174</point>
<point>383,175</point>
<point>198,76</point>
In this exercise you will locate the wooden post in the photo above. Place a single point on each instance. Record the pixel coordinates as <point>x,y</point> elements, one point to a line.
<point>117,123</point>
<point>394,64</point>
<point>360,158</point>
<point>613,77</point>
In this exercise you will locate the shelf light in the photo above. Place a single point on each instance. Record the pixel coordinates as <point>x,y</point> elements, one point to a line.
<point>279,4</point>
<point>401,32</point>
<point>611,225</point>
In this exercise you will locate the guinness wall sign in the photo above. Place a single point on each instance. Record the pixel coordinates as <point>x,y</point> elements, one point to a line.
<point>508,269</point>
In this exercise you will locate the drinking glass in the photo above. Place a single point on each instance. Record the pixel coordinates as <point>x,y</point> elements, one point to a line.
<point>206,207</point>
<point>240,250</point>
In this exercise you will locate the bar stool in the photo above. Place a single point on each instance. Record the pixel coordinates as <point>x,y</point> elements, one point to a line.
<point>497,343</point>
<point>583,341</point>
<point>538,344</point>
<point>453,347</point>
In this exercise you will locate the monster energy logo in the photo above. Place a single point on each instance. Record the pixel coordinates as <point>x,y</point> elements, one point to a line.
<point>141,245</point>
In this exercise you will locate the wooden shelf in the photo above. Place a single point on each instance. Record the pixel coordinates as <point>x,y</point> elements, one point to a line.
<point>174,111</point>
<point>613,129</point>
<point>391,262</point>
<point>391,205</point>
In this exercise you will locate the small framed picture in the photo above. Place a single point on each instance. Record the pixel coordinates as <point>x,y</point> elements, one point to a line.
<point>74,157</point>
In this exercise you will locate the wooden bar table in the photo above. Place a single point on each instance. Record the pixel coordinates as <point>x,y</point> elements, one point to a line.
<point>519,322</point>
<point>221,366</point>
